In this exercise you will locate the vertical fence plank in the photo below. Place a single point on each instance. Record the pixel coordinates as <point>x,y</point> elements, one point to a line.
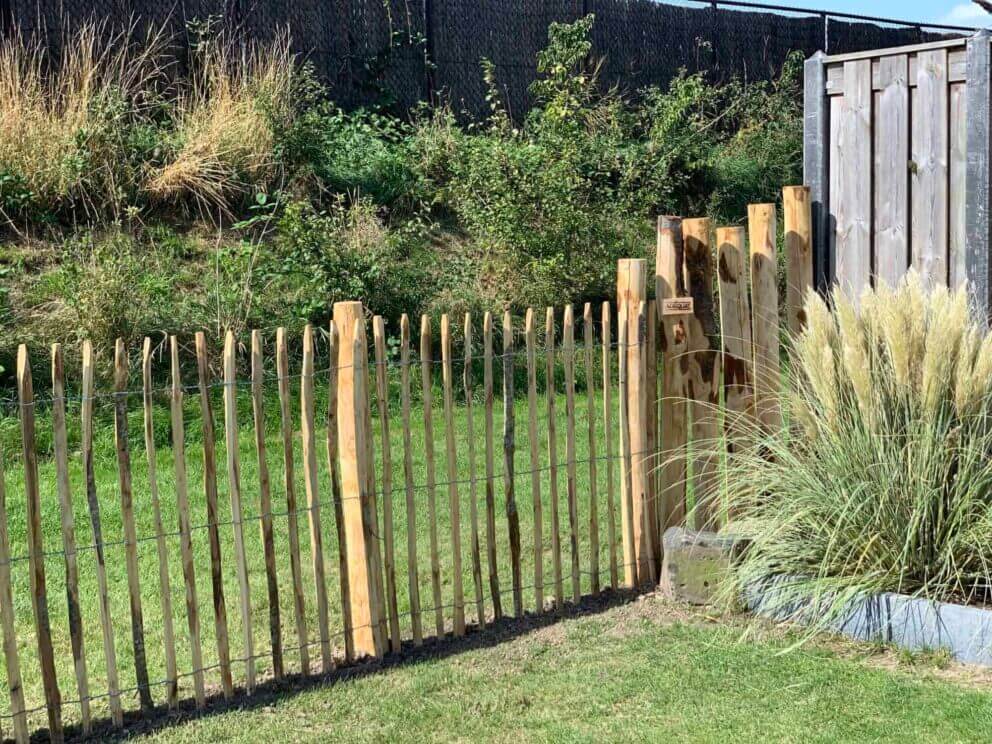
<point>487,383</point>
<point>334,473</point>
<point>568,357</point>
<point>798,219</point>
<point>764,310</point>
<point>289,484</point>
<point>121,441</point>
<point>535,461</point>
<point>704,374</point>
<point>93,506</point>
<point>931,139</point>
<point>451,458</point>
<point>891,179</point>
<point>631,291</point>
<point>590,341</point>
<point>237,513</point>
<point>265,501</point>
<point>852,199</point>
<point>611,516</point>
<point>509,454</point>
<point>213,531</point>
<point>480,608</point>
<point>61,447</point>
<point>957,189</point>
<point>382,397</point>
<point>630,555</point>
<point>648,522</point>
<point>652,413</point>
<point>185,531</point>
<point>357,484</point>
<point>549,374</point>
<point>977,192</point>
<point>36,547</point>
<point>426,382</point>
<point>735,320</point>
<point>670,283</point>
<point>309,447</point>
<point>11,660</point>
<point>162,550</point>
<point>413,574</point>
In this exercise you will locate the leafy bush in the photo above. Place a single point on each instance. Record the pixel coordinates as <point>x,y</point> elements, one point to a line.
<point>345,252</point>
<point>884,482</point>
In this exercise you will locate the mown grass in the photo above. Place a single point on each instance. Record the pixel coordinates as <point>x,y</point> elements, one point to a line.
<point>106,479</point>
<point>646,671</point>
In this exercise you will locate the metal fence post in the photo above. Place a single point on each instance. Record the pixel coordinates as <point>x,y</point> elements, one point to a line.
<point>816,153</point>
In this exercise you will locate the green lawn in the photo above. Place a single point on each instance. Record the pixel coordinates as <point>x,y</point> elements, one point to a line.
<point>106,478</point>
<point>647,670</point>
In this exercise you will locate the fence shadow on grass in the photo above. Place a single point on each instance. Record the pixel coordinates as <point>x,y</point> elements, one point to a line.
<point>270,690</point>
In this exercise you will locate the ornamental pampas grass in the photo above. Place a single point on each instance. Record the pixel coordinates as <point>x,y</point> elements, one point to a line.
<point>883,482</point>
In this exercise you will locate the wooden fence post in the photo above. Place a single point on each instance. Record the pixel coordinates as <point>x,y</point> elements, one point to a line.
<point>764,310</point>
<point>637,510</point>
<point>796,206</point>
<point>704,370</point>
<point>669,283</point>
<point>364,571</point>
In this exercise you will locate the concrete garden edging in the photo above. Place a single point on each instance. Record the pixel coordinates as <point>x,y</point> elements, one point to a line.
<point>912,623</point>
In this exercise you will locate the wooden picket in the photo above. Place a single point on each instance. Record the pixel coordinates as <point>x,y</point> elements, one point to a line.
<point>686,370</point>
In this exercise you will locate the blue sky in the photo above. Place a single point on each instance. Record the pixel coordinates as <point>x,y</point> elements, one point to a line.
<point>957,12</point>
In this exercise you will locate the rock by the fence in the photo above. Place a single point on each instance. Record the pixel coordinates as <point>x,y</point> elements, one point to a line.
<point>695,563</point>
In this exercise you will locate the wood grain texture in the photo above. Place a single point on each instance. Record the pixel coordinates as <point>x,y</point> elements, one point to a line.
<point>413,573</point>
<point>232,453</point>
<point>611,495</point>
<point>361,523</point>
<point>123,447</point>
<point>265,501</point>
<point>310,484</point>
<point>11,659</point>
<point>735,326</point>
<point>61,451</point>
<point>530,337</point>
<point>426,388</point>
<point>480,607</point>
<point>292,514</point>
<point>161,548</point>
<point>851,199</point>
<point>451,459</point>
<point>957,193</point>
<point>891,178</point>
<point>382,401</point>
<point>213,532</point>
<point>185,530</point>
<point>36,547</point>
<point>670,283</point>
<point>630,554</point>
<point>571,470</point>
<point>764,314</point>
<point>549,376</point>
<point>631,292</point>
<point>334,471</point>
<point>930,147</point>
<point>798,221</point>
<point>487,384</point>
<point>509,455</point>
<point>589,340</point>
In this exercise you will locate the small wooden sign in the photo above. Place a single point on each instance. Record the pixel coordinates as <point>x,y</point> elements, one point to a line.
<point>677,306</point>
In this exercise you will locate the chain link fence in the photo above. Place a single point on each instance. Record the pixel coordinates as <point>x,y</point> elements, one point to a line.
<point>401,52</point>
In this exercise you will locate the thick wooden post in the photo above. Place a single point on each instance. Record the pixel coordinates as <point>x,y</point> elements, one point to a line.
<point>669,282</point>
<point>364,571</point>
<point>704,370</point>
<point>764,311</point>
<point>638,511</point>
<point>797,208</point>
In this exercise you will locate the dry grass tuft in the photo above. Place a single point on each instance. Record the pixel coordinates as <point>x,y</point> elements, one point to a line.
<point>224,124</point>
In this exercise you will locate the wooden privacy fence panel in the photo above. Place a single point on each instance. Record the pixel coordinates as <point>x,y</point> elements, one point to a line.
<point>896,152</point>
<point>636,402</point>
